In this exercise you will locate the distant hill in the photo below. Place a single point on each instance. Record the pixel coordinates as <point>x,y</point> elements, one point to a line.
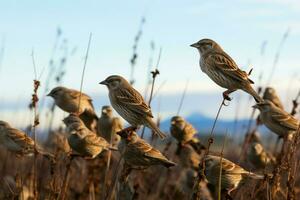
<point>204,124</point>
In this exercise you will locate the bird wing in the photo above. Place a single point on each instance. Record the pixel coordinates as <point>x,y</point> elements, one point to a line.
<point>190,129</point>
<point>141,147</point>
<point>93,139</point>
<point>117,124</point>
<point>229,167</point>
<point>132,99</point>
<point>76,94</point>
<point>284,119</point>
<point>19,138</point>
<point>226,64</point>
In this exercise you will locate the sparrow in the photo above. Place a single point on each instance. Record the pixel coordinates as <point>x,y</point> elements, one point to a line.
<point>232,175</point>
<point>108,125</point>
<point>259,157</point>
<point>181,130</point>
<point>18,142</point>
<point>189,158</point>
<point>137,153</point>
<point>222,69</point>
<point>69,99</point>
<point>271,95</point>
<point>184,133</point>
<point>82,140</point>
<point>277,120</point>
<point>130,104</point>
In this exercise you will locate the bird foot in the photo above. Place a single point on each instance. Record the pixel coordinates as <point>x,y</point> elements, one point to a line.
<point>226,96</point>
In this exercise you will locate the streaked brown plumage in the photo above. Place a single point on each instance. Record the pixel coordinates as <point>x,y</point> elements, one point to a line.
<point>271,95</point>
<point>129,103</point>
<point>181,130</point>
<point>222,69</point>
<point>259,157</point>
<point>18,142</point>
<point>232,174</point>
<point>68,100</point>
<point>108,126</point>
<point>138,153</point>
<point>82,140</point>
<point>189,158</point>
<point>276,119</point>
<point>15,140</point>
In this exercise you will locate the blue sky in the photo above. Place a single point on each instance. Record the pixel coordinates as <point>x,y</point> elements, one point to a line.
<point>240,27</point>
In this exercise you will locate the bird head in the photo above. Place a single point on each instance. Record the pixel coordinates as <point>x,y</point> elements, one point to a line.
<point>72,119</point>
<point>114,82</point>
<point>205,45</point>
<point>106,111</point>
<point>4,124</point>
<point>257,147</point>
<point>264,106</point>
<point>269,92</point>
<point>128,134</point>
<point>178,122</point>
<point>56,92</point>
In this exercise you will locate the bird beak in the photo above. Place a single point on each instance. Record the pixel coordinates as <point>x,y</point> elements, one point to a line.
<point>173,122</point>
<point>49,95</point>
<point>104,111</point>
<point>103,82</point>
<point>194,45</point>
<point>255,106</point>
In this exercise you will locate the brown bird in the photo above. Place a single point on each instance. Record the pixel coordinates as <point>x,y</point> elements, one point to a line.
<point>271,95</point>
<point>18,142</point>
<point>138,153</point>
<point>129,103</point>
<point>184,133</point>
<point>68,100</point>
<point>259,157</point>
<point>189,158</point>
<point>277,120</point>
<point>232,174</point>
<point>82,140</point>
<point>181,130</point>
<point>222,69</point>
<point>108,125</point>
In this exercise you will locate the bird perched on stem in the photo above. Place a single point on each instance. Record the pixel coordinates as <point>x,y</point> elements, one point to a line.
<point>68,100</point>
<point>271,95</point>
<point>222,69</point>
<point>277,120</point>
<point>181,130</point>
<point>259,157</point>
<point>130,104</point>
<point>137,153</point>
<point>184,133</point>
<point>232,175</point>
<point>18,142</point>
<point>108,125</point>
<point>82,140</point>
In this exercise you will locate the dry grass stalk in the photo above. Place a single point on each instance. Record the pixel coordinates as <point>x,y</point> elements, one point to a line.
<point>210,141</point>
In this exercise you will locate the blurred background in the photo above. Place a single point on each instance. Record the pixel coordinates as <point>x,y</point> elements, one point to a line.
<point>258,34</point>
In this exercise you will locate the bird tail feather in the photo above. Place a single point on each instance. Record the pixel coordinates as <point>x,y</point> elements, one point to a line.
<point>254,94</point>
<point>150,123</point>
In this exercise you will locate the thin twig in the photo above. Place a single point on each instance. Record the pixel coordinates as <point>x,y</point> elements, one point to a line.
<point>34,103</point>
<point>65,180</point>
<point>210,140</point>
<point>277,55</point>
<point>182,97</point>
<point>154,75</point>
<point>83,70</point>
<point>220,173</point>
